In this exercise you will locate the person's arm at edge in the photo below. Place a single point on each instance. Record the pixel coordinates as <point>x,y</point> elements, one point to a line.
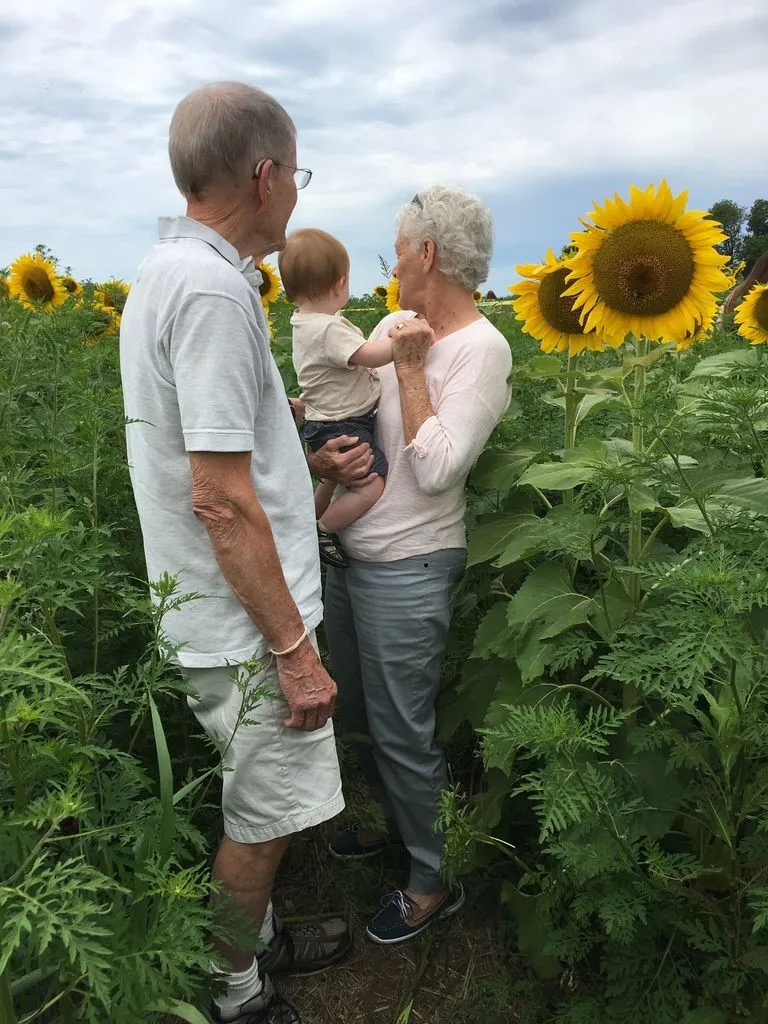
<point>224,500</point>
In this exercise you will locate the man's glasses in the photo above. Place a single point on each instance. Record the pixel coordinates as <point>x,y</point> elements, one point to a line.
<point>301,175</point>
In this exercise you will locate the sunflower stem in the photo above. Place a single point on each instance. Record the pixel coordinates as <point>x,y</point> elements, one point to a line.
<point>571,408</point>
<point>636,518</point>
<point>7,1013</point>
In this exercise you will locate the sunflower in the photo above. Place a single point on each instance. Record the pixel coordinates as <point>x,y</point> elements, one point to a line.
<point>477,295</point>
<point>752,315</point>
<point>111,295</point>
<point>545,314</point>
<point>269,288</point>
<point>380,291</point>
<point>734,272</point>
<point>647,267</point>
<point>393,296</point>
<point>33,281</point>
<point>701,332</point>
<point>73,287</point>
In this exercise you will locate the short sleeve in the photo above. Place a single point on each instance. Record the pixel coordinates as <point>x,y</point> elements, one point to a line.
<point>218,371</point>
<point>342,340</point>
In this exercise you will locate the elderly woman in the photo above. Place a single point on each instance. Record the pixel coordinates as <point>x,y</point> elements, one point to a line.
<point>387,616</point>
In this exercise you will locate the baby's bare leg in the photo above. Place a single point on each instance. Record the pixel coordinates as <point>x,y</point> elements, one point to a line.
<point>323,497</point>
<point>351,505</point>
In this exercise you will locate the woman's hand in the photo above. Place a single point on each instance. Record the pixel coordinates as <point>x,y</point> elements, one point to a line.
<point>346,468</point>
<point>411,342</point>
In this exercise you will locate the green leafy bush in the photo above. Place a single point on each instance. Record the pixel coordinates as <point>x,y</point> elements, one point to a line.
<point>618,686</point>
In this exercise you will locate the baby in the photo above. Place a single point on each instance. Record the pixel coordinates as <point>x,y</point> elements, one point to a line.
<point>333,364</point>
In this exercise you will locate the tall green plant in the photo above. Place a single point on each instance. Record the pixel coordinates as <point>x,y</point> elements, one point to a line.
<point>618,683</point>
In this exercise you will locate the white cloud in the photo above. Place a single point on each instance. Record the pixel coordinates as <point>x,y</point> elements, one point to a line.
<point>526,102</point>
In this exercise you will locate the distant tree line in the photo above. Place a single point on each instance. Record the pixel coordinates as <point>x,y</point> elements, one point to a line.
<point>747,230</point>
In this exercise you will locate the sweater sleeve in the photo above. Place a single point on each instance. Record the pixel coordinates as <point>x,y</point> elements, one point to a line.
<point>473,398</point>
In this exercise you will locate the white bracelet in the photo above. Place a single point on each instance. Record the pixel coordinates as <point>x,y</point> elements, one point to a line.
<point>293,647</point>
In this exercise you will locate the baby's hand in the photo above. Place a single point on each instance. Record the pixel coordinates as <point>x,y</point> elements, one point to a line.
<point>298,407</point>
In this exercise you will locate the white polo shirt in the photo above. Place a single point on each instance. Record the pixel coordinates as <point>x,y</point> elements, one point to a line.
<point>198,375</point>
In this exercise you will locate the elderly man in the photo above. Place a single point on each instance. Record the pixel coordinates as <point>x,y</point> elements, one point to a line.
<point>225,502</point>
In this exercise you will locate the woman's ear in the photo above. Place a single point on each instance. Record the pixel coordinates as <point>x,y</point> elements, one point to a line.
<point>428,255</point>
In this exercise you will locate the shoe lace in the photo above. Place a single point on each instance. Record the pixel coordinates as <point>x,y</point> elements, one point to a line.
<point>403,903</point>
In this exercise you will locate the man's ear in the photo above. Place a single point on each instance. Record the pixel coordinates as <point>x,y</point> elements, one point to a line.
<point>263,177</point>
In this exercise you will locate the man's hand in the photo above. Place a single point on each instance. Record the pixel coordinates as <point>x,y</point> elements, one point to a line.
<point>309,690</point>
<point>346,468</point>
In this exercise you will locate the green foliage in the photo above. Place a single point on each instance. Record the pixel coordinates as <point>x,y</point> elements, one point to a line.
<point>103,874</point>
<point>618,681</point>
<point>609,664</point>
<point>732,217</point>
<point>753,247</point>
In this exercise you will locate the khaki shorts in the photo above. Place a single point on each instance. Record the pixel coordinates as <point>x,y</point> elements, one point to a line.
<point>277,781</point>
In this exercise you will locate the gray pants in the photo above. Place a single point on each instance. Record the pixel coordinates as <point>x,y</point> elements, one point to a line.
<point>387,628</point>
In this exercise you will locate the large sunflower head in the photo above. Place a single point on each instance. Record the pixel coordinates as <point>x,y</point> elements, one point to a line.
<point>647,267</point>
<point>545,314</point>
<point>34,282</point>
<point>269,288</point>
<point>72,286</point>
<point>112,295</point>
<point>380,291</point>
<point>393,295</point>
<point>752,315</point>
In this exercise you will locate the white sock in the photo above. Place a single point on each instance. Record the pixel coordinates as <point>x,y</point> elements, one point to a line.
<point>267,932</point>
<point>241,987</point>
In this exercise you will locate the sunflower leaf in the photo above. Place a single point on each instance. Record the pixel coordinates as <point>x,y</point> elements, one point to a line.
<point>544,366</point>
<point>593,400</point>
<point>548,597</point>
<point>489,538</point>
<point>500,471</point>
<point>725,363</point>
<point>556,476</point>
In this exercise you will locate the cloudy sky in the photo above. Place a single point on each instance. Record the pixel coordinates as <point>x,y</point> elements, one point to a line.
<point>540,106</point>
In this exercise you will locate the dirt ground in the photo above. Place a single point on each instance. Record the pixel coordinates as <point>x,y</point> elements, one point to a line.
<point>425,980</point>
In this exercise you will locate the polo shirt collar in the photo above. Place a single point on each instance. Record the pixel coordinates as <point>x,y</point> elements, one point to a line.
<point>186,227</point>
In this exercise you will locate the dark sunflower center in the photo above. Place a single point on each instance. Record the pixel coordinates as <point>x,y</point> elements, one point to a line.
<point>556,310</point>
<point>38,285</point>
<point>265,285</point>
<point>69,284</point>
<point>761,311</point>
<point>643,268</point>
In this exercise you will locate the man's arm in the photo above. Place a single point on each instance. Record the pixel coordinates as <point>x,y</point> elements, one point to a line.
<point>224,500</point>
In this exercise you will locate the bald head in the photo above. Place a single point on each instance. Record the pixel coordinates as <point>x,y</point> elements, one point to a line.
<point>219,133</point>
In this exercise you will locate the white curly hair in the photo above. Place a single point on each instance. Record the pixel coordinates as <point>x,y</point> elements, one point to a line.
<point>460,225</point>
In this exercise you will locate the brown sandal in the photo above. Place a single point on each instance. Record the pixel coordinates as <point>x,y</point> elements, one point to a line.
<point>331,552</point>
